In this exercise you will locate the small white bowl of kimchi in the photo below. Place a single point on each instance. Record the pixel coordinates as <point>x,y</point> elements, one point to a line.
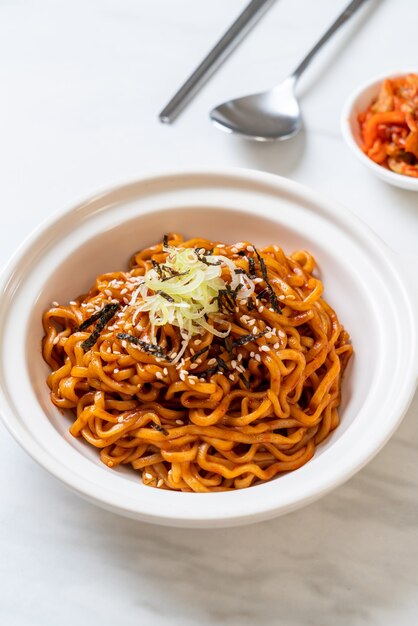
<point>379,123</point>
<point>365,283</point>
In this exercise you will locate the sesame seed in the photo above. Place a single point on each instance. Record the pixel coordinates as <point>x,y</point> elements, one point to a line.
<point>124,344</point>
<point>234,250</point>
<point>173,354</point>
<point>116,370</point>
<point>147,476</point>
<point>192,352</point>
<point>276,345</point>
<point>260,309</point>
<point>237,309</point>
<point>250,248</point>
<point>282,333</point>
<point>126,301</point>
<point>192,381</point>
<point>109,349</point>
<point>180,422</point>
<point>120,419</point>
<point>56,340</point>
<point>254,330</point>
<point>271,309</point>
<point>231,377</point>
<point>54,303</point>
<point>193,366</point>
<point>116,352</point>
<point>73,302</point>
<point>252,354</point>
<point>265,348</point>
<point>197,342</point>
<point>233,364</point>
<point>257,358</point>
<point>251,322</point>
<point>220,245</point>
<point>160,483</point>
<point>211,361</point>
<point>258,280</point>
<point>123,291</point>
<point>202,380</point>
<point>108,292</point>
<point>158,375</point>
<point>165,370</point>
<point>268,335</point>
<point>240,357</point>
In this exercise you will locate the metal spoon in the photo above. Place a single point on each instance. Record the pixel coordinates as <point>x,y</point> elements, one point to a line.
<point>273,114</point>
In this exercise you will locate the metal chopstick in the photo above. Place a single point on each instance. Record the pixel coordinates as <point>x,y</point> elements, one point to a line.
<point>235,33</point>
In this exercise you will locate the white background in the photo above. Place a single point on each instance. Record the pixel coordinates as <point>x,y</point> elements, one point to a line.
<point>81,84</point>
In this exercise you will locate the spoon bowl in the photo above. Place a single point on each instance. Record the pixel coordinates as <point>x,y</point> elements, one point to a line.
<point>274,114</point>
<point>267,116</point>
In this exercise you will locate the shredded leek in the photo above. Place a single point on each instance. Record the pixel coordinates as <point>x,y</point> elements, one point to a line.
<point>183,291</point>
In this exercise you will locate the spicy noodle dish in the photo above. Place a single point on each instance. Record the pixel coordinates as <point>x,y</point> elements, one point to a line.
<point>205,366</point>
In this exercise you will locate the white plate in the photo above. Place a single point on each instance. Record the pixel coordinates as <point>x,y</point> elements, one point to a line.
<point>364,283</point>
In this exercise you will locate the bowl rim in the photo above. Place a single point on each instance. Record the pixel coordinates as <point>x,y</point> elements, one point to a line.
<point>335,212</point>
<point>389,176</point>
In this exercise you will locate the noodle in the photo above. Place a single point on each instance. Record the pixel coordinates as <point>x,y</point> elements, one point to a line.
<point>242,394</point>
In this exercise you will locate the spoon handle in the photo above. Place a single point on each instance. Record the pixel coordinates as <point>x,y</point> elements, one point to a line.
<point>349,10</point>
<point>242,25</point>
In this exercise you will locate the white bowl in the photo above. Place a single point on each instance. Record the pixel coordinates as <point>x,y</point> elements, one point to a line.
<point>363,281</point>
<point>357,102</point>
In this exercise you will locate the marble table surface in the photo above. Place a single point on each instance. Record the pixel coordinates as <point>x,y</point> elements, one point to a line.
<point>81,86</point>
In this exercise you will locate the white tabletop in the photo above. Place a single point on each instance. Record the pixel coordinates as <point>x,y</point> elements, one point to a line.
<point>81,86</point>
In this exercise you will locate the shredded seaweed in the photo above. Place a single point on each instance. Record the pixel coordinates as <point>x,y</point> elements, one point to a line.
<point>199,353</point>
<point>96,316</point>
<point>209,371</point>
<point>273,298</point>
<point>263,293</point>
<point>105,316</point>
<point>229,345</point>
<point>244,339</point>
<point>251,267</point>
<point>203,257</point>
<point>222,365</point>
<point>159,428</point>
<point>158,269</point>
<point>165,295</point>
<point>151,348</point>
<point>173,273</point>
<point>244,380</point>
